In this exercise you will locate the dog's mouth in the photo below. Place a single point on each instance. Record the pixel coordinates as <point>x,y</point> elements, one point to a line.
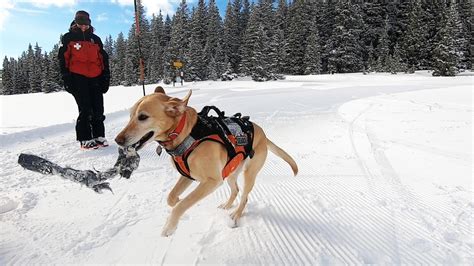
<point>138,145</point>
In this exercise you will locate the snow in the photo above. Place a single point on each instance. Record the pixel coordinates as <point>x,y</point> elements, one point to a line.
<point>385,178</point>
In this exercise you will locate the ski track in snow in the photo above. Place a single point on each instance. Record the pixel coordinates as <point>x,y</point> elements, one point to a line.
<point>353,202</point>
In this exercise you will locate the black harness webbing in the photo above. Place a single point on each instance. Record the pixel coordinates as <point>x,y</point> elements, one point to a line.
<point>235,133</point>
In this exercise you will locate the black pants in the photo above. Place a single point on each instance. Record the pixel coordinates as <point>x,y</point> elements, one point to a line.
<point>90,102</point>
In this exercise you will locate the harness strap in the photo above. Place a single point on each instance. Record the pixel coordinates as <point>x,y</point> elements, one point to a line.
<point>211,128</point>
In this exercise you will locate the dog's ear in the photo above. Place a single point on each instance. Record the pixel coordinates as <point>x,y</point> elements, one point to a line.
<point>175,107</point>
<point>186,98</point>
<point>160,89</point>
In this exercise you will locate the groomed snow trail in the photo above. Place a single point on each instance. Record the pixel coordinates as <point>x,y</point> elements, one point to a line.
<point>385,177</point>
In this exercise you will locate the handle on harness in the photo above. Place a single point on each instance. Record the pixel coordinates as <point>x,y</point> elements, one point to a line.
<point>205,111</point>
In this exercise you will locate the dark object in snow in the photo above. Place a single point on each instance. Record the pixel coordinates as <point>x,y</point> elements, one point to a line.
<point>127,161</point>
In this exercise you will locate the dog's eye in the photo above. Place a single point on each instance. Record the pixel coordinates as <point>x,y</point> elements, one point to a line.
<point>142,117</point>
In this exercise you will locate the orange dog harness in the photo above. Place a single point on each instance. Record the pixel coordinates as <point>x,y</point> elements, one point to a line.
<point>235,133</point>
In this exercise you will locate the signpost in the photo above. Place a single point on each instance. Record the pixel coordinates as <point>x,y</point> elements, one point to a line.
<point>178,77</point>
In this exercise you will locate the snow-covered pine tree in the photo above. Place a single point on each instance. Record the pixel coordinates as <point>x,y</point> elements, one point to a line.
<point>131,66</point>
<point>383,49</point>
<point>448,51</point>
<point>272,42</point>
<point>54,70</point>
<point>197,59</point>
<point>395,62</point>
<point>345,45</point>
<point>213,49</point>
<point>414,38</point>
<point>132,56</point>
<point>244,17</point>
<point>465,13</point>
<point>232,34</point>
<point>432,18</point>
<point>373,14</point>
<point>180,35</point>
<point>281,29</point>
<point>44,74</point>
<point>254,47</point>
<point>7,77</point>
<point>297,33</point>
<point>34,77</point>
<point>109,46</point>
<point>145,39</point>
<point>155,62</point>
<point>325,27</point>
<point>312,57</point>
<point>117,62</point>
<point>21,70</point>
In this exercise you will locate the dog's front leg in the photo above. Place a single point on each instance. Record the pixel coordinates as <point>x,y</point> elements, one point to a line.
<point>182,184</point>
<point>201,191</point>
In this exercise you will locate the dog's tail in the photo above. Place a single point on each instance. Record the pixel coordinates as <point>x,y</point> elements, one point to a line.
<point>282,154</point>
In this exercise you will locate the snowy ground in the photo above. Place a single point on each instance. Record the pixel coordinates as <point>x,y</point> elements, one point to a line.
<point>385,177</point>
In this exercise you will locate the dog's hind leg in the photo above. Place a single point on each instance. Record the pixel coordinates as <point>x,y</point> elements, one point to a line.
<point>251,170</point>
<point>234,188</point>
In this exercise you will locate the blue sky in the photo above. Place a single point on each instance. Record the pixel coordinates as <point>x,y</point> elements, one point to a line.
<point>30,21</point>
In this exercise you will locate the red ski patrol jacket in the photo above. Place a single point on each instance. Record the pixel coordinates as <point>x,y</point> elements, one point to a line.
<point>82,53</point>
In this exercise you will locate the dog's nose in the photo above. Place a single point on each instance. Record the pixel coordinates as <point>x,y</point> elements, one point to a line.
<point>120,140</point>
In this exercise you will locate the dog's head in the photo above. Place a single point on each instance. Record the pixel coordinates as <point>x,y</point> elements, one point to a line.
<point>152,118</point>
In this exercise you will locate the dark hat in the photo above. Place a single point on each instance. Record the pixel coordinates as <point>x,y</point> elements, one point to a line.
<point>82,18</point>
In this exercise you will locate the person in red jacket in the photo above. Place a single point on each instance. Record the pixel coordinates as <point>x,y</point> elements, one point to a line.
<point>85,71</point>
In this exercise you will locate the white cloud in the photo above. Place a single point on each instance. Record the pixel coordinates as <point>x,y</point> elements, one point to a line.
<point>153,6</point>
<point>102,17</point>
<point>4,12</point>
<point>48,3</point>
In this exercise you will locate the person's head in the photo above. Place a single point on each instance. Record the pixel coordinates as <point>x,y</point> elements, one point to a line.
<point>82,20</point>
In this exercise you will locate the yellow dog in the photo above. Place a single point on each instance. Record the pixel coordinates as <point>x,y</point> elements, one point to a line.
<point>154,117</point>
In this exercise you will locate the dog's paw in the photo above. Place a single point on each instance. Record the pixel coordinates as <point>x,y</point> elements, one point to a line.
<point>169,228</point>
<point>225,206</point>
<point>168,231</point>
<point>235,216</point>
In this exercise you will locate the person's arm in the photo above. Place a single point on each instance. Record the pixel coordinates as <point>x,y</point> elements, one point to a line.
<point>105,76</point>
<point>63,57</point>
<point>64,54</point>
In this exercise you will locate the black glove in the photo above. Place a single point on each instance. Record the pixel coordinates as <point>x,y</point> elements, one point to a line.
<point>127,161</point>
<point>104,81</point>
<point>67,80</point>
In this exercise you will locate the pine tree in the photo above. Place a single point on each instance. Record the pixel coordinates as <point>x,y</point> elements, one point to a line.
<point>232,35</point>
<point>131,66</point>
<point>197,60</point>
<point>448,51</point>
<point>21,71</point>
<point>298,31</point>
<point>395,62</point>
<point>432,18</point>
<point>54,70</point>
<point>414,38</point>
<point>465,14</point>
<point>155,62</point>
<point>7,77</point>
<point>312,57</point>
<point>345,45</point>
<point>213,49</point>
<point>109,46</point>
<point>180,35</point>
<point>383,49</point>
<point>117,62</point>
